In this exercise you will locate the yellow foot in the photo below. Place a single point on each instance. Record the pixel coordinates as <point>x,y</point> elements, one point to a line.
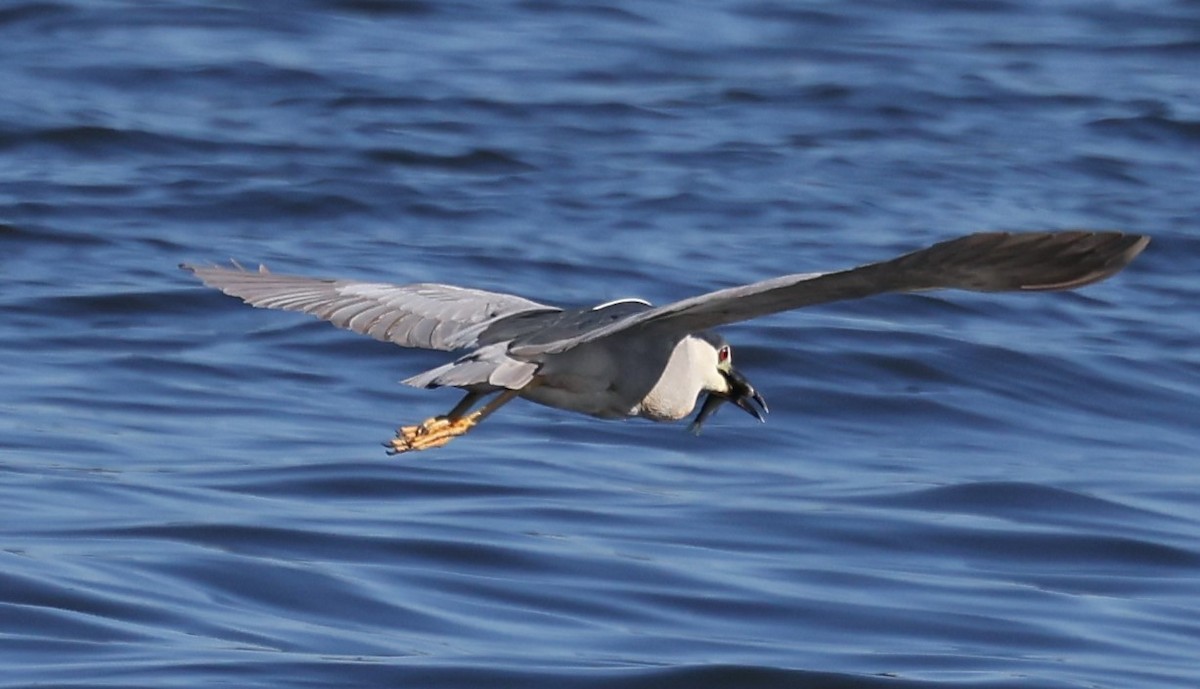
<point>431,433</point>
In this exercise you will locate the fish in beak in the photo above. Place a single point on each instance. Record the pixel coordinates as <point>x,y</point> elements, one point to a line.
<point>741,393</point>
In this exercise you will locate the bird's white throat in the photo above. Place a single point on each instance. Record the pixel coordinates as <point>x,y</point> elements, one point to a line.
<point>691,369</point>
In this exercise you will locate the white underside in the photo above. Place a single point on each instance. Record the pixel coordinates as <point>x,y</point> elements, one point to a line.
<point>612,378</point>
<point>656,385</point>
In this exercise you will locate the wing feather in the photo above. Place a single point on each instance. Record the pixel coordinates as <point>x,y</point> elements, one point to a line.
<point>983,262</point>
<point>425,315</point>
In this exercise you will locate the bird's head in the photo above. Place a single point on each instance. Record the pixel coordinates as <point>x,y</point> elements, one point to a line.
<point>725,384</point>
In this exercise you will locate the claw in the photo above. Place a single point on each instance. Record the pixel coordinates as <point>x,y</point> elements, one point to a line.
<point>429,434</point>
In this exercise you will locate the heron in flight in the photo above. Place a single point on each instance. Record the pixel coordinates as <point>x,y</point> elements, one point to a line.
<point>627,358</point>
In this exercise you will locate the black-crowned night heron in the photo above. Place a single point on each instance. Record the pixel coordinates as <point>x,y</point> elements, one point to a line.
<point>627,358</point>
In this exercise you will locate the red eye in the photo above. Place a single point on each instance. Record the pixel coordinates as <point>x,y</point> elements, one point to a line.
<point>723,355</point>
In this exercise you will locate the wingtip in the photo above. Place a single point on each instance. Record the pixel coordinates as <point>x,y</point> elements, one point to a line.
<point>1138,246</point>
<point>1116,247</point>
<point>1115,251</point>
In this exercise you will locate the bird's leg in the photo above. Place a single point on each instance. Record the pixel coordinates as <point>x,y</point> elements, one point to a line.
<point>425,434</point>
<point>440,430</point>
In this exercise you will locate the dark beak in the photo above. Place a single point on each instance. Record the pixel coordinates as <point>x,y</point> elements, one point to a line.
<point>741,392</point>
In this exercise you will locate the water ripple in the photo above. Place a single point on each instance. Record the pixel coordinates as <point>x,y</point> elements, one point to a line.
<point>951,490</point>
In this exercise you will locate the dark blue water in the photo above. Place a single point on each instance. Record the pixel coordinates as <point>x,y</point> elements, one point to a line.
<point>952,490</point>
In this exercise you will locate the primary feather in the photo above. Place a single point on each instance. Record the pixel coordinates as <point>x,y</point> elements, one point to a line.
<point>425,315</point>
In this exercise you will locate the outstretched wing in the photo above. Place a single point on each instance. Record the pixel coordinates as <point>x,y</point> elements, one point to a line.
<point>423,315</point>
<point>984,262</point>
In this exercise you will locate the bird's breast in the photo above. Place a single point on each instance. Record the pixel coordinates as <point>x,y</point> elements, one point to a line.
<point>615,379</point>
<point>676,387</point>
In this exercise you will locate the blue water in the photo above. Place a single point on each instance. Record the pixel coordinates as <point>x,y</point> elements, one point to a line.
<point>951,490</point>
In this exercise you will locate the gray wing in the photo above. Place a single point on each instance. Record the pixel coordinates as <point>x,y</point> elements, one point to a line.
<point>539,328</point>
<point>984,262</point>
<point>423,315</point>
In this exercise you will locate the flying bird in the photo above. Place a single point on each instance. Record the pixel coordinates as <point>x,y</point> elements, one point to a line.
<point>627,358</point>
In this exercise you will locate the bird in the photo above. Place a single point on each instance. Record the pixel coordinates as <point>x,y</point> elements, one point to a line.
<point>628,358</point>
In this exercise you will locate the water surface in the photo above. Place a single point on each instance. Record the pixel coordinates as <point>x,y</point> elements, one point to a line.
<point>952,489</point>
